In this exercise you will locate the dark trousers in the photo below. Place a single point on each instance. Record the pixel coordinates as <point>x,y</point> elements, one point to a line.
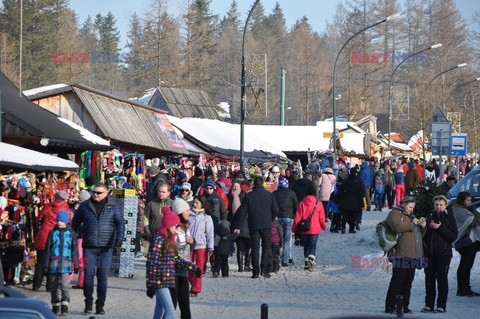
<point>437,272</point>
<point>389,195</point>
<point>400,284</point>
<point>266,236</point>
<point>274,257</point>
<point>466,263</point>
<point>97,261</point>
<point>349,217</point>
<point>337,221</point>
<point>138,242</point>
<point>243,245</point>
<point>181,295</point>
<point>38,276</point>
<point>221,263</point>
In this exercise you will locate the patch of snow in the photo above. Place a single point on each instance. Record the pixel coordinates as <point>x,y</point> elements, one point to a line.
<point>86,134</point>
<point>43,89</point>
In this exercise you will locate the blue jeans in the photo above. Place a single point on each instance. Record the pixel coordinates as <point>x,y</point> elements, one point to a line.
<point>286,224</point>
<point>96,260</point>
<point>309,243</point>
<point>164,308</point>
<point>378,200</point>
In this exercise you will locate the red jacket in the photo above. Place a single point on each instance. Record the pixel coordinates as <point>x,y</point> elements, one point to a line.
<point>420,171</point>
<point>49,215</point>
<point>219,191</point>
<point>304,210</point>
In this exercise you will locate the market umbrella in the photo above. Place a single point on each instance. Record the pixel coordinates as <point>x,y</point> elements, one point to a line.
<point>12,156</point>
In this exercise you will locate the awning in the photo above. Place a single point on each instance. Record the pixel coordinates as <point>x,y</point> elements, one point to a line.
<point>19,157</point>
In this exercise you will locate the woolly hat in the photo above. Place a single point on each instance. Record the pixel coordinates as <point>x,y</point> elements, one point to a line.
<point>282,181</point>
<point>63,216</point>
<point>187,186</point>
<point>84,196</point>
<point>209,182</point>
<point>61,195</point>
<point>169,218</point>
<point>182,176</point>
<point>275,169</point>
<point>179,206</point>
<point>153,170</point>
<point>222,174</point>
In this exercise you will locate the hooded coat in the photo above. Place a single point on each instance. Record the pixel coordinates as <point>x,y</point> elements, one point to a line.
<point>326,181</point>
<point>366,175</point>
<point>305,209</point>
<point>48,216</point>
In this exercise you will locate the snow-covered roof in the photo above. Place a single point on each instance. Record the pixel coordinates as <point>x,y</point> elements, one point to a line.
<point>145,99</point>
<point>86,134</point>
<point>271,138</point>
<point>224,135</point>
<point>42,89</point>
<point>16,156</point>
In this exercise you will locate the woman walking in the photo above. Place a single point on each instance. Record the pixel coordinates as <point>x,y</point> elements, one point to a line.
<point>409,249</point>
<point>466,218</point>
<point>310,208</point>
<point>235,198</point>
<point>441,233</point>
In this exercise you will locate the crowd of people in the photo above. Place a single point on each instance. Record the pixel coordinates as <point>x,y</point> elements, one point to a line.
<point>209,217</point>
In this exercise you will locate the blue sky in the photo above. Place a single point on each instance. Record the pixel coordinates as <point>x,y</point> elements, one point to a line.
<point>317,11</point>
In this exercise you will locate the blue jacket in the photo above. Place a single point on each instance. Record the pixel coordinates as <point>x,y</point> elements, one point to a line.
<point>103,230</point>
<point>61,253</point>
<point>259,208</point>
<point>366,175</point>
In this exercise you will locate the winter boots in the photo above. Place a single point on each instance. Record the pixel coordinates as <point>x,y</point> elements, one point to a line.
<point>88,307</point>
<point>99,308</point>
<point>309,263</point>
<point>64,307</point>
<point>56,307</point>
<point>240,256</point>
<point>247,261</point>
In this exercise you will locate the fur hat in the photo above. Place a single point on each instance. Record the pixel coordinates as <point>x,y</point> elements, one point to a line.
<point>282,181</point>
<point>209,182</point>
<point>61,195</point>
<point>84,196</point>
<point>63,216</point>
<point>179,206</point>
<point>275,169</point>
<point>169,218</point>
<point>153,170</point>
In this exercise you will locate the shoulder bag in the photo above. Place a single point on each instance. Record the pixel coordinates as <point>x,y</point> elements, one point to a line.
<point>304,224</point>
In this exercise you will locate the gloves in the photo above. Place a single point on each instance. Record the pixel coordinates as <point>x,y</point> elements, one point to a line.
<point>198,272</point>
<point>151,291</point>
<point>119,243</point>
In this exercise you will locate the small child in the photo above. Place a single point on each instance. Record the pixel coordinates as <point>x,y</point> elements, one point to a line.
<point>332,208</point>
<point>222,249</point>
<point>277,243</point>
<point>61,258</point>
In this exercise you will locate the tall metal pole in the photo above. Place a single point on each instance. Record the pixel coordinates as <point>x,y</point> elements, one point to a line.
<point>21,46</point>
<point>389,18</point>
<point>282,97</point>
<point>425,94</point>
<point>438,45</point>
<point>244,87</point>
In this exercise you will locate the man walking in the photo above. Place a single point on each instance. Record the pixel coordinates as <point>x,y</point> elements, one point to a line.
<point>103,229</point>
<point>153,211</point>
<point>260,209</point>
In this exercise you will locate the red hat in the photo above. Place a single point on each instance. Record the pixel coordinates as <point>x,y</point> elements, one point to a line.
<point>169,218</point>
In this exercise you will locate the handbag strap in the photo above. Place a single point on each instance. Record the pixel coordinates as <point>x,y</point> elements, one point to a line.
<point>313,211</point>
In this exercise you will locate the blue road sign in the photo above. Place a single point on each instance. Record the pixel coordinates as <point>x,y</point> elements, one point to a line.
<point>458,144</point>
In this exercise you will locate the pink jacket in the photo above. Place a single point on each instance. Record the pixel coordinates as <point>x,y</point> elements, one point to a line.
<point>328,178</point>
<point>304,210</point>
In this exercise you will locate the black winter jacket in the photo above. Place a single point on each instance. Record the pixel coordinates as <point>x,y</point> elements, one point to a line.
<point>259,208</point>
<point>350,196</point>
<point>439,241</point>
<point>300,188</point>
<point>287,202</point>
<point>100,231</point>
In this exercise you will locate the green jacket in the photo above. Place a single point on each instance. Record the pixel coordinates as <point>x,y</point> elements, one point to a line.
<point>153,215</point>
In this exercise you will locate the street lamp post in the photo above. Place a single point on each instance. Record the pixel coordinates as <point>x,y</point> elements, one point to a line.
<point>425,94</point>
<point>459,86</point>
<point>438,45</point>
<point>389,18</point>
<point>244,88</point>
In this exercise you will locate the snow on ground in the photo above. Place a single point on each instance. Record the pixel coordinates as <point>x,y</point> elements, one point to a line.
<point>332,290</point>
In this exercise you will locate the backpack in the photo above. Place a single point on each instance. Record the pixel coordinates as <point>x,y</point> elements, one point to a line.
<point>387,239</point>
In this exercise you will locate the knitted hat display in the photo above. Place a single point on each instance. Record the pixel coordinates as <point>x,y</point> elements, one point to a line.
<point>179,206</point>
<point>169,218</point>
<point>63,216</point>
<point>210,183</point>
<point>282,181</point>
<point>61,195</point>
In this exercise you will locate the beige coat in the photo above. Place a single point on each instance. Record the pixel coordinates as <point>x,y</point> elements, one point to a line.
<point>407,242</point>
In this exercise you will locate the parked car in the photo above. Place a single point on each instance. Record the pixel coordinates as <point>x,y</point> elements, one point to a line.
<point>14,304</point>
<point>470,183</point>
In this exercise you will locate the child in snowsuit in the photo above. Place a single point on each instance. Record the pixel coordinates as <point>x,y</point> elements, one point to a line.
<point>61,258</point>
<point>222,248</point>
<point>277,243</point>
